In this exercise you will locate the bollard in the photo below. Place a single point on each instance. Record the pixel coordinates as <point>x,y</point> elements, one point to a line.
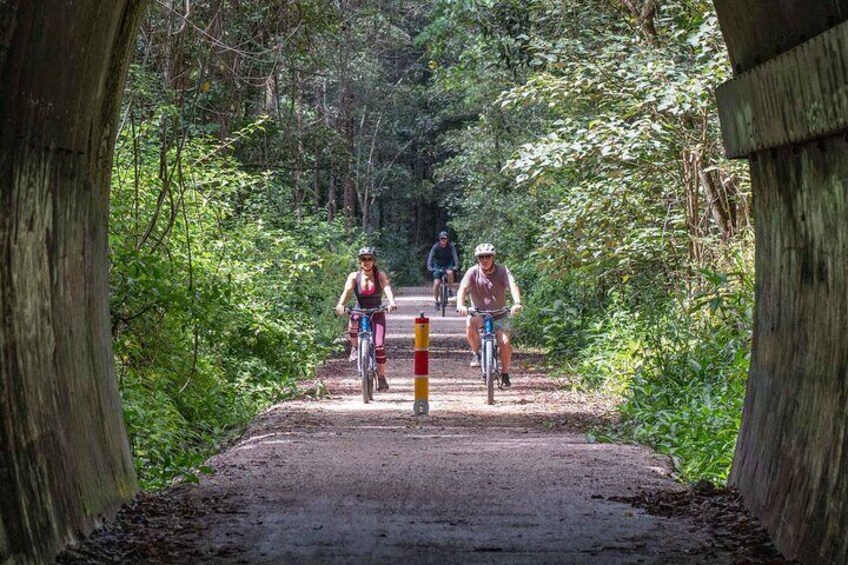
<point>421,405</point>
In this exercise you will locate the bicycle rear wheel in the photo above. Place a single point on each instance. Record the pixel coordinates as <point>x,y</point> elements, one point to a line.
<point>488,362</point>
<point>366,370</point>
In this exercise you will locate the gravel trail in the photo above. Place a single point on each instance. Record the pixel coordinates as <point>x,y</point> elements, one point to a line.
<point>331,480</point>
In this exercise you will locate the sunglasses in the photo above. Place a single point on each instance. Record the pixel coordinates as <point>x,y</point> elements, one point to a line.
<point>443,238</point>
<point>485,256</point>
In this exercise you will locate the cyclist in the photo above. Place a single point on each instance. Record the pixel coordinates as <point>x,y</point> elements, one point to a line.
<point>368,285</point>
<point>442,259</point>
<point>487,282</point>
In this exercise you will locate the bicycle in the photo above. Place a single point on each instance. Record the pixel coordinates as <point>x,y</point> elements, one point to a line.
<point>489,350</point>
<point>444,291</point>
<point>366,359</point>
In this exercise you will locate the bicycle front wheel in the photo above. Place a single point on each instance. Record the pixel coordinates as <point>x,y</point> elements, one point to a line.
<point>443,292</point>
<point>487,360</point>
<point>366,370</point>
<point>372,379</point>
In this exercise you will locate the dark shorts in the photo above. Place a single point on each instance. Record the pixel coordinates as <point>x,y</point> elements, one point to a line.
<point>438,271</point>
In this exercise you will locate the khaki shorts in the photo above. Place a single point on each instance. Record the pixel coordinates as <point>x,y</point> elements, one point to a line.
<point>476,322</point>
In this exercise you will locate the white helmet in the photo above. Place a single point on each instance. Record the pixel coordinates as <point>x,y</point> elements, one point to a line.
<point>484,249</point>
<point>368,250</point>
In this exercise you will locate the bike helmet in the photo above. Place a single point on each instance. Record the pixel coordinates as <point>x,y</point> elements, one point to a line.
<point>484,249</point>
<point>368,251</point>
<point>443,234</point>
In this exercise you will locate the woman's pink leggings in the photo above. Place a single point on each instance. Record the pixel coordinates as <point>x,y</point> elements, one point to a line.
<point>378,324</point>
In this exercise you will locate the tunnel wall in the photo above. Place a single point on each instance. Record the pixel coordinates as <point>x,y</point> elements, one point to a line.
<point>791,461</point>
<point>64,456</point>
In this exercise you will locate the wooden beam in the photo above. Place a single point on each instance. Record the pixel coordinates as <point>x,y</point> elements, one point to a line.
<point>757,30</point>
<point>798,96</point>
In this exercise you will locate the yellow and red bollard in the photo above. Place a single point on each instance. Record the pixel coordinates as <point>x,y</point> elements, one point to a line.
<point>421,406</point>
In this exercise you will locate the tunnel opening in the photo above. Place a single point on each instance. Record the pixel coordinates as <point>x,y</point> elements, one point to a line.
<point>60,397</point>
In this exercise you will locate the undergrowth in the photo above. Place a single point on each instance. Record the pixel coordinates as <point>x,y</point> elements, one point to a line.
<point>218,308</point>
<point>677,358</point>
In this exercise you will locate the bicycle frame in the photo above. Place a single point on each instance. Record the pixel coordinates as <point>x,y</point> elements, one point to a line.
<point>489,350</point>
<point>365,334</point>
<point>365,338</point>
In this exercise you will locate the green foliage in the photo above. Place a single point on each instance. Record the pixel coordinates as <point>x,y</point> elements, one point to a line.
<point>217,311</point>
<point>686,395</point>
<point>679,364</point>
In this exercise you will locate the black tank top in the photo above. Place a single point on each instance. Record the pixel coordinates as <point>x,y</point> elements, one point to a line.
<point>372,300</point>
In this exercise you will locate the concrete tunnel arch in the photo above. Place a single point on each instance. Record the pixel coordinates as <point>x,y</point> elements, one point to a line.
<point>64,459</point>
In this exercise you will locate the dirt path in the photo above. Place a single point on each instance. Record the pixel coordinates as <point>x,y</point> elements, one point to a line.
<point>333,480</point>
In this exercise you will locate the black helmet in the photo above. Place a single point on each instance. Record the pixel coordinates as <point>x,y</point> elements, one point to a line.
<point>443,234</point>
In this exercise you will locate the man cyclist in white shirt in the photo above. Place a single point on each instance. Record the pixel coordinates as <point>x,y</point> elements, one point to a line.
<point>487,282</point>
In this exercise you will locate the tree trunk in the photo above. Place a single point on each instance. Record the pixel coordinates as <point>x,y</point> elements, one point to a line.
<point>691,165</point>
<point>64,457</point>
<point>331,198</point>
<point>348,133</point>
<point>720,202</point>
<point>297,102</point>
<point>346,118</point>
<point>644,12</point>
<point>316,186</point>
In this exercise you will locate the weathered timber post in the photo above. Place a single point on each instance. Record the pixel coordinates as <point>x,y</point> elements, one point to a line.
<point>787,112</point>
<point>64,457</point>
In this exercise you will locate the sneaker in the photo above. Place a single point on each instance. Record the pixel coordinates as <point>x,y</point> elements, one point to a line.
<point>505,380</point>
<point>475,362</point>
<point>436,308</point>
<point>382,385</point>
<point>352,356</point>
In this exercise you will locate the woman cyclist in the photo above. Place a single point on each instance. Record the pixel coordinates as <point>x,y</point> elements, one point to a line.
<point>368,285</point>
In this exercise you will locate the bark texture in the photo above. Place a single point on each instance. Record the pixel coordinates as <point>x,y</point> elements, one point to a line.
<point>64,457</point>
<point>791,462</point>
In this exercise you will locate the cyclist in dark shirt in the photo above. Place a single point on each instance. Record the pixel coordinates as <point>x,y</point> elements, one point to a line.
<point>442,259</point>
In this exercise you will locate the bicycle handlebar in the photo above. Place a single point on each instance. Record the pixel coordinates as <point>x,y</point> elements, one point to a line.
<point>475,312</point>
<point>358,310</point>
